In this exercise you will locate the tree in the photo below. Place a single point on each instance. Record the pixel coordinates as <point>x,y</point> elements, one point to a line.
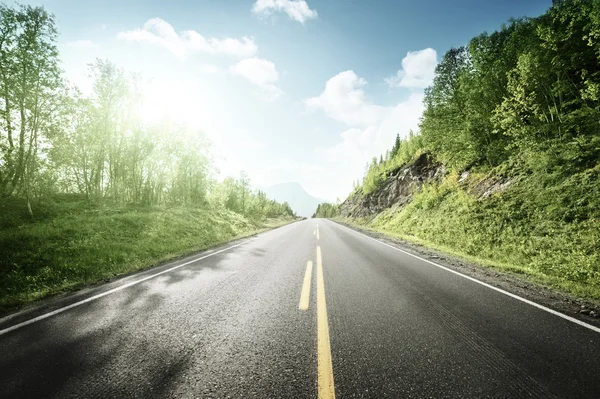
<point>444,120</point>
<point>327,210</point>
<point>29,79</point>
<point>53,139</point>
<point>244,185</point>
<point>396,146</point>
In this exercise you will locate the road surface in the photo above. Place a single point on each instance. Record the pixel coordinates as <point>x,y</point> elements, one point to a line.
<point>312,309</point>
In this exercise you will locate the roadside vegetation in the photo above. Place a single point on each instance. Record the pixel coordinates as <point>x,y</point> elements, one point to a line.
<point>327,210</point>
<point>523,230</point>
<point>521,106</point>
<point>71,245</point>
<point>88,188</point>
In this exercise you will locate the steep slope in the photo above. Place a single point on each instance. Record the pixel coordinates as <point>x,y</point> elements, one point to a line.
<point>397,190</point>
<point>294,194</point>
<point>541,225</point>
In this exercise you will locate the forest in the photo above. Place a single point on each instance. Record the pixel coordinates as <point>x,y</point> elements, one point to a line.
<point>74,167</point>
<point>521,105</point>
<point>526,96</point>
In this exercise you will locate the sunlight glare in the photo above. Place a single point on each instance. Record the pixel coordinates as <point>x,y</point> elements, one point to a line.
<point>163,101</point>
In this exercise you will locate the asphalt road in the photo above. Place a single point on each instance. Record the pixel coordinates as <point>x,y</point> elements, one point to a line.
<point>312,309</point>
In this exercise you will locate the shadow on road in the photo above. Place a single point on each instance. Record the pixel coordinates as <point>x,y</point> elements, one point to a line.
<point>89,355</point>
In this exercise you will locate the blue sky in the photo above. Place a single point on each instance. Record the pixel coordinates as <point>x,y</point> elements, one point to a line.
<point>287,90</point>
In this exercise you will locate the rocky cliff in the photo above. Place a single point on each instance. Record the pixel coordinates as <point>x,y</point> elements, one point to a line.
<point>397,189</point>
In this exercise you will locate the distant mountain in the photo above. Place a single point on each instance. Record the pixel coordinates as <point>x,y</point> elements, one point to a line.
<point>294,194</point>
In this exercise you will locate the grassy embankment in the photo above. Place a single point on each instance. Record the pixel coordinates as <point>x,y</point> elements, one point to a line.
<point>68,245</point>
<point>544,227</point>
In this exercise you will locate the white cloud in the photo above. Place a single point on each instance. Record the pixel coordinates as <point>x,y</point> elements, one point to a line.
<point>372,129</point>
<point>259,72</point>
<point>160,33</point>
<point>297,10</point>
<point>208,69</point>
<point>345,101</point>
<point>81,44</point>
<point>418,70</point>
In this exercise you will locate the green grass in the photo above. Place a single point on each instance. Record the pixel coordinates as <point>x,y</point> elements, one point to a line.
<point>68,245</point>
<point>544,227</point>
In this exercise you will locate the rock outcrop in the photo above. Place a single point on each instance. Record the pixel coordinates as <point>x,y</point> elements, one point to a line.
<point>397,190</point>
<point>491,186</point>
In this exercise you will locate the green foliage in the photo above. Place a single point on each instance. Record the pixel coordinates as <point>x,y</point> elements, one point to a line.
<point>403,151</point>
<point>54,140</point>
<point>327,210</point>
<point>104,150</point>
<point>530,88</point>
<point>235,195</point>
<point>29,81</point>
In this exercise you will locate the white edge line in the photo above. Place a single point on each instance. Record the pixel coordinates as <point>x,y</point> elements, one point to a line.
<point>527,301</point>
<point>122,287</point>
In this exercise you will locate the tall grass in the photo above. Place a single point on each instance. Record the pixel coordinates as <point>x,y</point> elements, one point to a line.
<point>69,246</point>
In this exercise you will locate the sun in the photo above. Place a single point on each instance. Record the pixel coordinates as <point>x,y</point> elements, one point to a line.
<point>165,101</point>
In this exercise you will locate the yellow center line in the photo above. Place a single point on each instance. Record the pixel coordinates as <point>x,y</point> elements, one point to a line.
<point>317,232</point>
<point>325,366</point>
<point>305,295</point>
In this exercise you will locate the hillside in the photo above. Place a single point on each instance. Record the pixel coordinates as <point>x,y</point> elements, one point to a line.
<point>539,227</point>
<point>71,244</point>
<point>505,167</point>
<point>295,195</point>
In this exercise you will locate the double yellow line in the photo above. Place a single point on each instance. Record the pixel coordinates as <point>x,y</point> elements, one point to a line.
<point>325,382</point>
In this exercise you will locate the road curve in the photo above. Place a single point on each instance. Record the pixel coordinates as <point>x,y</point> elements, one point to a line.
<point>312,309</point>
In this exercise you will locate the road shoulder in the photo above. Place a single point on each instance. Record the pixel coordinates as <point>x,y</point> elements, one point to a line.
<point>65,299</point>
<point>511,282</point>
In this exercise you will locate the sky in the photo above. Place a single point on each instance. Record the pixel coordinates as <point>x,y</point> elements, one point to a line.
<point>287,90</point>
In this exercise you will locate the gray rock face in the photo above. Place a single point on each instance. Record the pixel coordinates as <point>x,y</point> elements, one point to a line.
<point>491,186</point>
<point>397,190</point>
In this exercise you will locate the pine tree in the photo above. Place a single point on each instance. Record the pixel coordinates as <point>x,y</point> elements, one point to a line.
<point>396,146</point>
